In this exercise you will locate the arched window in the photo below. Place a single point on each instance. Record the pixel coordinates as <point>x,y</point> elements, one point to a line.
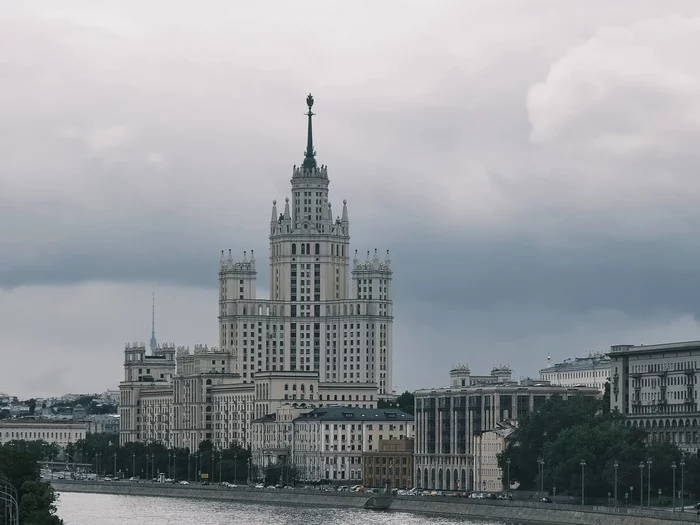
<point>308,248</point>
<point>318,248</point>
<point>294,248</point>
<point>303,248</point>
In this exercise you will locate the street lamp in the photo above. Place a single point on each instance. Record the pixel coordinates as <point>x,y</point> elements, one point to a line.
<point>583,479</point>
<point>508,470</point>
<point>682,484</point>
<point>673,467</point>
<point>540,462</point>
<point>235,468</point>
<point>615,466</point>
<point>133,464</point>
<point>641,484</point>
<point>649,482</point>
<point>115,465</point>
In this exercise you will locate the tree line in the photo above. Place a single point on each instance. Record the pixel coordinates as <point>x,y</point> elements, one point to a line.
<point>567,446</point>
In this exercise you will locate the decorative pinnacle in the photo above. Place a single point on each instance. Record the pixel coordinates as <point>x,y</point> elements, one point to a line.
<point>309,155</point>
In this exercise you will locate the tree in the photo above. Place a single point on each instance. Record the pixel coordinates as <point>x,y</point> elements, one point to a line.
<point>404,402</point>
<point>32,406</point>
<point>542,426</point>
<point>36,499</point>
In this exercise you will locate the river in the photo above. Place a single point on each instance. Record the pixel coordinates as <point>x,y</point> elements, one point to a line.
<point>107,509</point>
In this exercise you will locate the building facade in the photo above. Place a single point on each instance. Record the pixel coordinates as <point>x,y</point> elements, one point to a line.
<point>327,443</point>
<point>488,476</point>
<point>656,388</point>
<point>393,461</point>
<point>326,313</point>
<point>592,371</point>
<point>323,337</point>
<point>58,433</point>
<point>448,419</point>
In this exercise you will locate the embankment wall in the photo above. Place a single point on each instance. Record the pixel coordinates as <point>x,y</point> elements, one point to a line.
<point>510,511</point>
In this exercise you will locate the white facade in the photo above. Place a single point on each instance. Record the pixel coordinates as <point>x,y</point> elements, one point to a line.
<point>323,337</point>
<point>326,443</point>
<point>592,371</point>
<point>488,476</point>
<point>60,434</point>
<point>656,388</point>
<point>326,313</point>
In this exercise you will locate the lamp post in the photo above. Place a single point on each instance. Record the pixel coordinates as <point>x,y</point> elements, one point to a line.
<point>248,471</point>
<point>196,467</point>
<point>615,466</point>
<point>133,464</point>
<point>682,484</point>
<point>673,467</point>
<point>649,482</point>
<point>235,468</point>
<point>115,464</point>
<point>641,484</point>
<point>508,471</point>
<point>189,463</point>
<point>583,479</point>
<point>540,462</point>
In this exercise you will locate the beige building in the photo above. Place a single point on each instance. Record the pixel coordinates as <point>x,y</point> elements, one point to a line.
<point>392,461</point>
<point>59,433</point>
<point>488,476</point>
<point>656,388</point>
<point>326,443</point>
<point>323,337</point>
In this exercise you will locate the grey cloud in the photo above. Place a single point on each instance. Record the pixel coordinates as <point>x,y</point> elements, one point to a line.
<point>135,148</point>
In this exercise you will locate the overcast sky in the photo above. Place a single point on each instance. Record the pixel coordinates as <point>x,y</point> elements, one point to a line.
<point>532,166</point>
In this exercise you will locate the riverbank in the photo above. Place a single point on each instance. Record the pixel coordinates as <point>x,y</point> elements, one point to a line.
<point>520,512</point>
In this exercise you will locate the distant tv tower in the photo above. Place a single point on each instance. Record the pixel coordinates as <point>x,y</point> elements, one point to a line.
<point>153,343</point>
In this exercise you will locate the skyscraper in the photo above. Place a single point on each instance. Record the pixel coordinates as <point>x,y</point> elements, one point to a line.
<point>326,313</point>
<point>324,336</point>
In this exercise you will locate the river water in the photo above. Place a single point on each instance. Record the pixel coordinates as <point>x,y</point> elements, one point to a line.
<point>107,509</point>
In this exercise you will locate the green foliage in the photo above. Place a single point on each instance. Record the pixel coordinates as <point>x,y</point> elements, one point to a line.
<point>284,473</point>
<point>36,499</point>
<point>37,504</point>
<point>404,402</point>
<point>563,433</point>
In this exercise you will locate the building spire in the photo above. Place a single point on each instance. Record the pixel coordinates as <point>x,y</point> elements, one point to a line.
<point>153,343</point>
<point>310,154</point>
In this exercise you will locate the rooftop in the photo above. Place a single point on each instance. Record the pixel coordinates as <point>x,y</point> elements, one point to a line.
<point>356,414</point>
<point>683,345</point>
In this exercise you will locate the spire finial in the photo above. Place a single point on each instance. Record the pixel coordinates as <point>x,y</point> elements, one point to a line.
<point>310,154</point>
<point>153,343</point>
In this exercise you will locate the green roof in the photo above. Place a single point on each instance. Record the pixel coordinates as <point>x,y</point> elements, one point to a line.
<point>338,413</point>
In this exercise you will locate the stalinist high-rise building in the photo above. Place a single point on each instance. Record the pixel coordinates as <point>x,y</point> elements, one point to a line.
<point>324,336</point>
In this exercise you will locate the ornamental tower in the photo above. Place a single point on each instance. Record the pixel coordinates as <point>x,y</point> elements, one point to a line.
<point>314,320</point>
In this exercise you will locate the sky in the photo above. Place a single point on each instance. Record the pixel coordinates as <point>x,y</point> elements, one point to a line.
<point>532,166</point>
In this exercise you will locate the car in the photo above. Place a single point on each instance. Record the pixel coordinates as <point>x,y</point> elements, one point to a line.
<point>546,500</point>
<point>134,479</point>
<point>259,486</point>
<point>183,482</point>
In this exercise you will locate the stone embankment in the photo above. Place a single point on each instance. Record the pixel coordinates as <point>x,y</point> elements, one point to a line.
<point>510,511</point>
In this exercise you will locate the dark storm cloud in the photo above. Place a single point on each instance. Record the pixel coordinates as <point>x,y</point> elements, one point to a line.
<point>532,168</point>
